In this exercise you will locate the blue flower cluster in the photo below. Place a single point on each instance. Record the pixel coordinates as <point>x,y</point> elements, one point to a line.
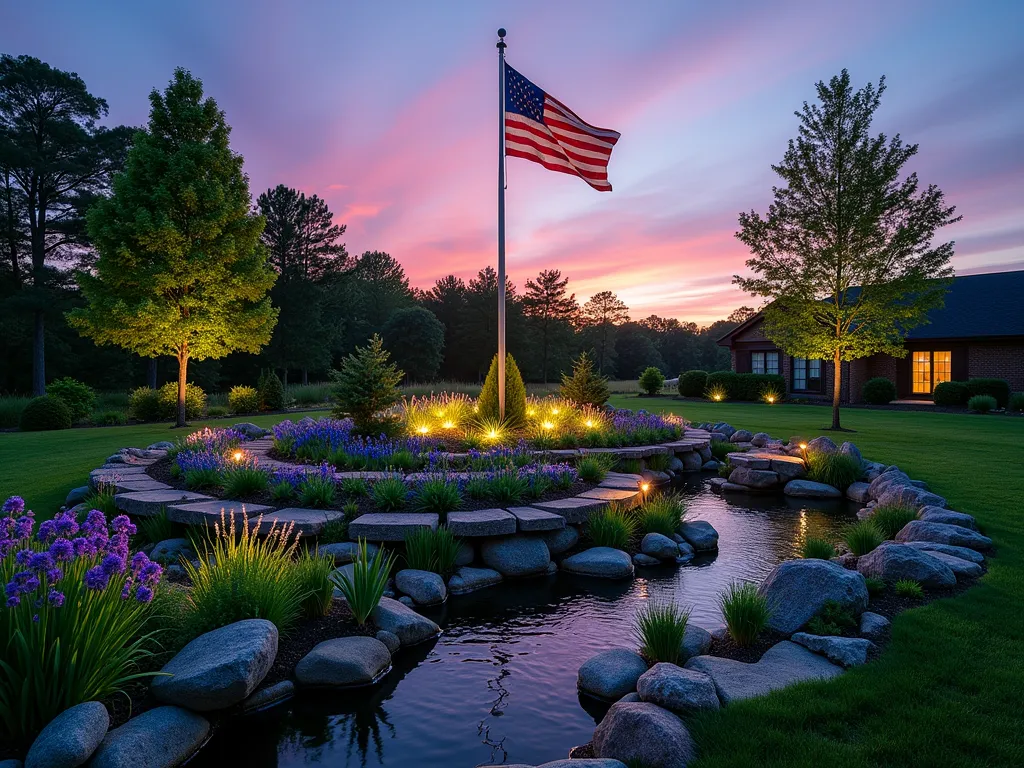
<point>500,456</point>
<point>332,440</point>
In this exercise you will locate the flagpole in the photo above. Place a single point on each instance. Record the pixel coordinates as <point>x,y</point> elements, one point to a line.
<point>501,223</point>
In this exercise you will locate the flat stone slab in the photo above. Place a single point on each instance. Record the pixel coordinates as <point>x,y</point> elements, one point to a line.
<point>574,509</point>
<point>844,651</point>
<point>390,526</point>
<point>146,503</point>
<point>600,562</point>
<point>208,512</point>
<point>308,522</point>
<point>808,489</point>
<point>532,519</point>
<point>482,522</point>
<point>613,494</point>
<point>620,483</point>
<point>783,664</point>
<point>749,461</point>
<point>119,469</point>
<point>132,486</point>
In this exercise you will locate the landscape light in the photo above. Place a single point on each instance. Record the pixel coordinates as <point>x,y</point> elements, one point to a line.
<point>548,425</point>
<point>718,396</point>
<point>645,487</point>
<point>771,399</point>
<point>448,425</point>
<point>237,455</point>
<point>590,423</point>
<point>803,446</point>
<point>423,429</point>
<point>554,411</point>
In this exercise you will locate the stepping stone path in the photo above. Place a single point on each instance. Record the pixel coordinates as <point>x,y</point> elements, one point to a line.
<point>532,519</point>
<point>344,662</point>
<point>390,526</point>
<point>208,511</point>
<point>148,503</point>
<point>610,675</point>
<point>155,739</point>
<point>574,509</point>
<point>482,522</point>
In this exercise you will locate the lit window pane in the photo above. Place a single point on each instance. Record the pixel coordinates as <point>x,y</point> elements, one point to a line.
<point>772,362</point>
<point>942,366</point>
<point>815,369</point>
<point>921,370</point>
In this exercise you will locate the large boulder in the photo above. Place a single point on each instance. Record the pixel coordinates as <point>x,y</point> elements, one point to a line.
<point>808,489</point>
<point>754,478</point>
<point>410,627</point>
<point>696,642</point>
<point>343,662</point>
<point>219,668</point>
<point>851,450</point>
<point>562,540</point>
<point>892,562</point>
<point>962,552</point>
<point>250,430</point>
<point>760,439</point>
<point>947,516</point>
<point>467,579</point>
<point>844,651</point>
<point>516,555</point>
<point>890,476</point>
<point>158,738</point>
<point>692,461</point>
<point>821,445</point>
<point>741,436</point>
<point>77,495</point>
<point>797,589</point>
<point>640,733</point>
<point>660,546</point>
<point>70,738</point>
<point>858,492</point>
<point>910,496</point>
<point>610,675</point>
<point>962,569</point>
<point>678,689</point>
<point>466,554</point>
<point>601,562</point>
<point>700,535</point>
<point>424,587</point>
<point>171,551</point>
<point>942,533</point>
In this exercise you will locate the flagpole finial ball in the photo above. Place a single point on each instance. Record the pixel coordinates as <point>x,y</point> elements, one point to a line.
<point>501,32</point>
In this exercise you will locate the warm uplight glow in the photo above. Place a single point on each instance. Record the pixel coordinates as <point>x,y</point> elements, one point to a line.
<point>554,411</point>
<point>718,397</point>
<point>448,425</point>
<point>771,399</point>
<point>803,446</point>
<point>548,425</point>
<point>589,423</point>
<point>237,455</point>
<point>645,487</point>
<point>423,430</point>
<point>531,412</point>
<point>493,434</point>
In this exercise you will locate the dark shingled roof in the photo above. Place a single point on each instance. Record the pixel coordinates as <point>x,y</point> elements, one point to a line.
<point>978,305</point>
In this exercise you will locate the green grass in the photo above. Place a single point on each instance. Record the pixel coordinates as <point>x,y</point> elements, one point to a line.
<point>948,671</point>
<point>659,629</point>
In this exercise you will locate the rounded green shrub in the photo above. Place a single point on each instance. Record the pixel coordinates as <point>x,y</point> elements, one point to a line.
<point>79,397</point>
<point>144,404</point>
<point>952,394</point>
<point>997,388</point>
<point>693,383</point>
<point>515,394</point>
<point>44,413</point>
<point>243,399</point>
<point>982,404</point>
<point>1016,403</point>
<point>879,391</point>
<point>652,380</point>
<point>271,392</point>
<point>147,404</point>
<point>218,411</point>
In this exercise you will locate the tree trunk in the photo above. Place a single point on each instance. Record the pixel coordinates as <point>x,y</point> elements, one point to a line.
<point>305,376</point>
<point>837,388</point>
<point>284,379</point>
<point>182,378</point>
<point>151,373</point>
<point>39,355</point>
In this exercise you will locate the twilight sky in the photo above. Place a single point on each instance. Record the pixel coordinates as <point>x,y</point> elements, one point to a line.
<point>388,110</point>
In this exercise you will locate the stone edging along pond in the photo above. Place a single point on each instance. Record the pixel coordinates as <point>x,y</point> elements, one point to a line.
<point>647,719</point>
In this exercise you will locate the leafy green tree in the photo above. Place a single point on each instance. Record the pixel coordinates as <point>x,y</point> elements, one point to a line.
<point>181,269</point>
<point>601,316</point>
<point>515,394</point>
<point>652,380</point>
<point>550,312</point>
<point>415,337</point>
<point>375,288</point>
<point>366,387</point>
<point>585,386</point>
<point>845,251</point>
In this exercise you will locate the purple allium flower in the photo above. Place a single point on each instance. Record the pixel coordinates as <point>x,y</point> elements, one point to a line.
<point>65,525</point>
<point>40,561</point>
<point>121,524</point>
<point>112,563</point>
<point>144,594</point>
<point>23,528</point>
<point>62,550</point>
<point>13,601</point>
<point>14,505</point>
<point>126,589</point>
<point>47,530</point>
<point>56,598</point>
<point>95,578</point>
<point>139,560</point>
<point>95,523</point>
<point>150,574</point>
<point>84,547</point>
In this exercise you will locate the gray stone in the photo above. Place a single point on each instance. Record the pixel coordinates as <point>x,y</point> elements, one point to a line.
<point>600,562</point>
<point>962,569</point>
<point>627,498</point>
<point>821,445</point>
<point>910,496</point>
<point>890,476</point>
<point>344,552</point>
<point>249,429</point>
<point>696,642</point>
<point>725,428</point>
<point>675,464</point>
<point>610,675</point>
<point>686,552</point>
<point>700,535</point>
<point>162,445</point>
<point>634,696</point>
<point>482,522</point>
<point>808,489</point>
<point>145,503</point>
<point>692,461</point>
<point>788,467</point>
<point>410,627</point>
<point>466,580</point>
<point>680,690</point>
<point>947,516</point>
<point>754,478</point>
<point>158,738</point>
<point>531,519</point>
<point>575,510</point>
<point>941,533</point>
<point>851,450</point>
<point>640,733</point>
<point>641,559</point>
<point>759,439</point>
<point>797,589</point>
<point>873,626</point>
<point>783,664</point>
<point>711,466</point>
<point>892,562</point>
<point>407,601</point>
<point>516,555</point>
<point>344,661</point>
<point>424,587</point>
<point>77,495</point>
<point>659,546</point>
<point>741,436</point>
<point>848,560</point>
<point>962,552</point>
<point>750,460</point>
<point>587,762</point>
<point>844,651</point>
<point>858,492</point>
<point>552,568</point>
<point>390,526</point>
<point>466,554</point>
<point>171,551</point>
<point>219,668</point>
<point>390,640</point>
<point>70,738</point>
<point>267,697</point>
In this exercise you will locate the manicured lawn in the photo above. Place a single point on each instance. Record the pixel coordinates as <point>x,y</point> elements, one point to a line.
<point>949,691</point>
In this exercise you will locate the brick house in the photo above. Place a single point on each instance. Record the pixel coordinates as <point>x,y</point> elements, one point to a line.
<point>978,333</point>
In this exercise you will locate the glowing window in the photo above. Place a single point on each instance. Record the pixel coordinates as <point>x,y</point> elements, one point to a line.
<point>921,369</point>
<point>941,366</point>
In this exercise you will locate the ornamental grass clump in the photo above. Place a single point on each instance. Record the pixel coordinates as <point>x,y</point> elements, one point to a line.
<point>660,628</point>
<point>354,488</point>
<point>721,449</point>
<point>313,572</point>
<point>318,490</point>
<point>890,519</point>
<point>659,462</point>
<point>102,498</point>
<point>365,586</point>
<point>595,467</point>
<point>908,588</point>
<point>661,514</point>
<point>611,527</point>
<point>745,611</point>
<point>75,626</point>
<point>875,585</point>
<point>836,469</point>
<point>818,549</point>
<point>241,481</point>
<point>434,550</point>
<point>390,493</point>
<point>158,527</point>
<point>862,537</point>
<point>439,494</point>
<point>507,487</point>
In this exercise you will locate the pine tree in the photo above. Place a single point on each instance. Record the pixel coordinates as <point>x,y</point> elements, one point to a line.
<point>585,386</point>
<point>550,311</point>
<point>515,394</point>
<point>601,314</point>
<point>366,387</point>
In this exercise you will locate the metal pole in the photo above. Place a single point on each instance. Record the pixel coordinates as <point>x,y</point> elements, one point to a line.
<point>501,223</point>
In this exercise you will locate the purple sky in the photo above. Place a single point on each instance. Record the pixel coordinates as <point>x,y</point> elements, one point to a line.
<point>389,111</point>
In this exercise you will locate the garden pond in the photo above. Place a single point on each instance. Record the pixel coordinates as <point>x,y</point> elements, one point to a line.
<point>499,685</point>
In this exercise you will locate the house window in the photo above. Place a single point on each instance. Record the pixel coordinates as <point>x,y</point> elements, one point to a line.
<point>929,368</point>
<point>764,362</point>
<point>806,375</point>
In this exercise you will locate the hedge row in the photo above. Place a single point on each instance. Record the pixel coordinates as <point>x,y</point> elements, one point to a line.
<point>746,386</point>
<point>958,393</point>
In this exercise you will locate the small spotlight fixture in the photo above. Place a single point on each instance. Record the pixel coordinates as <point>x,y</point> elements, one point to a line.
<point>589,424</point>
<point>424,429</point>
<point>645,487</point>
<point>448,425</point>
<point>237,455</point>
<point>548,425</point>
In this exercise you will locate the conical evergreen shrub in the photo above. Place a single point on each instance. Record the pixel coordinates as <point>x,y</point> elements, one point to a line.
<point>515,394</point>
<point>585,386</point>
<point>271,391</point>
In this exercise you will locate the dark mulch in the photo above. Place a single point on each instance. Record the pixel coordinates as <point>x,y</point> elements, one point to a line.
<point>307,634</point>
<point>727,648</point>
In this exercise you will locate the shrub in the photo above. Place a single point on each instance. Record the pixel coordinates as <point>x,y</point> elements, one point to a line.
<point>202,477</point>
<point>652,380</point>
<point>952,394</point>
<point>660,628</point>
<point>240,482</point>
<point>818,549</point>
<point>439,495</point>
<point>977,404</point>
<point>312,572</point>
<point>111,419</point>
<point>366,387</point>
<point>515,394</point>
<point>878,391</point>
<point>611,527</point>
<point>80,398</point>
<point>1016,402</point>
<point>836,469</point>
<point>661,514</point>
<point>477,488</point>
<point>309,394</point>
<point>875,585</point>
<point>144,404</point>
<point>390,493</point>
<point>45,413</point>
<point>889,519</point>
<point>365,587</point>
<point>745,611</point>
<point>271,391</point>
<point>10,410</point>
<point>744,386</point>
<point>693,383</point>
<point>997,388</point>
<point>317,492</point>
<point>161,404</point>
<point>241,575</point>
<point>585,386</point>
<point>335,531</point>
<point>594,467</point>
<point>282,491</point>
<point>832,619</point>
<point>908,588</point>
<point>507,487</point>
<point>721,449</point>
<point>862,537</point>
<point>158,527</point>
<point>218,411</point>
<point>243,400</point>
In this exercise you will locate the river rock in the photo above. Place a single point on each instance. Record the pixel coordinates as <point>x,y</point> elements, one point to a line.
<point>587,762</point>
<point>962,552</point>
<point>407,601</point>
<point>390,640</point>
<point>171,551</point>
<point>680,690</point>
<point>344,552</point>
<point>844,651</point>
<point>562,540</point>
<point>218,668</point>
<point>402,621</point>
<point>892,562</point>
<point>466,554</point>
<point>466,580</point>
<point>640,733</point>
<point>962,569</point>
<point>741,436</point>
<point>263,698</point>
<point>759,439</point>
<point>70,738</point>
<point>645,560</point>
<point>344,661</point>
<point>947,516</point>
<point>890,476</point>
<point>700,535</point>
<point>754,478</point>
<point>858,492</point>
<point>675,464</point>
<point>250,430</point>
<point>162,445</point>
<point>158,738</point>
<point>659,546</point>
<point>516,555</point>
<point>692,461</point>
<point>808,489</point>
<point>821,445</point>
<point>77,495</point>
<point>910,496</point>
<point>424,587</point>
<point>941,533</point>
<point>686,552</point>
<point>873,626</point>
<point>851,450</point>
<point>725,428</point>
<point>610,675</point>
<point>696,642</point>
<point>797,589</point>
<point>601,562</point>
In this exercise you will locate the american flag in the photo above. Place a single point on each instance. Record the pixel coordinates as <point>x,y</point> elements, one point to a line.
<point>538,127</point>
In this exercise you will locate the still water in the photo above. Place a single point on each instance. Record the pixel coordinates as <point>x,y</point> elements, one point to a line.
<point>499,685</point>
